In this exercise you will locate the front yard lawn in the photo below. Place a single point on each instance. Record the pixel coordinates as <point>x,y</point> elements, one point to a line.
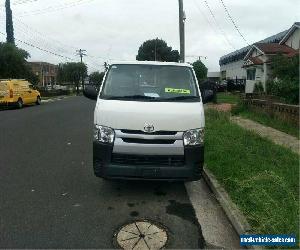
<point>227,97</point>
<point>262,178</point>
<point>272,122</point>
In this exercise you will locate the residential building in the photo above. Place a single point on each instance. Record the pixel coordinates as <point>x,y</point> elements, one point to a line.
<point>258,62</point>
<point>252,63</point>
<point>214,76</point>
<point>231,65</point>
<point>46,72</point>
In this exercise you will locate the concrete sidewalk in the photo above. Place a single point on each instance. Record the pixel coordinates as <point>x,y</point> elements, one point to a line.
<point>216,228</point>
<point>274,135</point>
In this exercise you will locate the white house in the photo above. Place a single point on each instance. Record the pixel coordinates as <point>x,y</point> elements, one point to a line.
<point>237,65</point>
<point>257,61</point>
<point>231,65</point>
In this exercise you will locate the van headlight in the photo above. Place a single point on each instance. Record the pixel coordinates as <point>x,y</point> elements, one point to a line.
<point>193,137</point>
<point>104,134</point>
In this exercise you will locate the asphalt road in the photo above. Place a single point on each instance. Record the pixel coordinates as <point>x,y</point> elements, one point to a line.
<point>49,197</point>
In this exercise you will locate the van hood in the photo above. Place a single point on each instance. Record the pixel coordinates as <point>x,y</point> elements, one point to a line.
<point>134,115</point>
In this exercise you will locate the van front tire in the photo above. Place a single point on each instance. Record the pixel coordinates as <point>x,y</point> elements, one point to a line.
<point>38,101</point>
<point>20,103</point>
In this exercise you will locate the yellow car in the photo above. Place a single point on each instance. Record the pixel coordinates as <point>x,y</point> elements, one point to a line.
<point>18,93</point>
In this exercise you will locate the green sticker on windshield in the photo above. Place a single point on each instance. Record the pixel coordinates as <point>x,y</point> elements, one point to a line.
<point>177,91</point>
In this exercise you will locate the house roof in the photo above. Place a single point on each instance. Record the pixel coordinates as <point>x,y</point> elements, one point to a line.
<point>295,26</point>
<point>241,53</point>
<point>252,61</point>
<point>273,48</point>
<point>213,74</point>
<point>41,63</point>
<point>256,60</point>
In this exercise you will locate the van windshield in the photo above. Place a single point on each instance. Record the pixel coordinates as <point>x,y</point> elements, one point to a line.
<point>150,83</point>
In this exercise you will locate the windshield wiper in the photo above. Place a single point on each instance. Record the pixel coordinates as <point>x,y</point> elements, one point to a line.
<point>136,97</point>
<point>179,98</point>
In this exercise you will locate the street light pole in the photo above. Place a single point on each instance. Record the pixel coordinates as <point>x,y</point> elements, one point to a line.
<point>181,31</point>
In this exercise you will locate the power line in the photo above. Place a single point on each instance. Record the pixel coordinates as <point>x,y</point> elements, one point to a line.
<point>43,36</point>
<point>219,27</point>
<point>53,8</point>
<point>32,38</point>
<point>233,22</point>
<point>39,48</point>
<point>20,2</point>
<point>205,17</point>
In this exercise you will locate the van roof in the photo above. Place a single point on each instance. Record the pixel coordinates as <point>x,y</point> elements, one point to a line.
<point>152,63</point>
<point>7,80</point>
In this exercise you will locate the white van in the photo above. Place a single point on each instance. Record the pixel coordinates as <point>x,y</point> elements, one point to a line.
<point>148,122</point>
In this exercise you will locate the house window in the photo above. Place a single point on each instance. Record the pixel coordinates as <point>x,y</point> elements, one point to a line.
<point>251,74</point>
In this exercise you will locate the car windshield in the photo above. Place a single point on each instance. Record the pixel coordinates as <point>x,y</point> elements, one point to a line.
<point>150,83</point>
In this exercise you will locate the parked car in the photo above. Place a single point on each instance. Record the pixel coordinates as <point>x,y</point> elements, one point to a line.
<point>148,122</point>
<point>208,90</point>
<point>222,86</point>
<point>18,92</point>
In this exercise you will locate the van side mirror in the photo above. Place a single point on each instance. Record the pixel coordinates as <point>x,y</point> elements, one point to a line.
<point>90,91</point>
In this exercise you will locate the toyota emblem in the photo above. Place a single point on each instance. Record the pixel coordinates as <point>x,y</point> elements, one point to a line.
<point>149,128</point>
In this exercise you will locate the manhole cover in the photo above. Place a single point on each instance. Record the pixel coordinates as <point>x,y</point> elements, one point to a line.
<point>141,235</point>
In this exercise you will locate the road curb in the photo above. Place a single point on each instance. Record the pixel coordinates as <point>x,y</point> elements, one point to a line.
<point>234,215</point>
<point>54,98</point>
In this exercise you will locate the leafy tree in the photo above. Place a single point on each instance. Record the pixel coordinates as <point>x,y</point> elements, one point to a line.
<point>285,74</point>
<point>157,49</point>
<point>284,67</point>
<point>200,70</point>
<point>96,78</point>
<point>13,63</point>
<point>72,73</point>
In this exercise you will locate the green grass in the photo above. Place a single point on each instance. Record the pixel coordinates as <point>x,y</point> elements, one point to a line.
<point>272,122</point>
<point>262,178</point>
<point>227,97</point>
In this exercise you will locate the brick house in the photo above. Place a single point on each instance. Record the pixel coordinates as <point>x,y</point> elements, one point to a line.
<point>46,72</point>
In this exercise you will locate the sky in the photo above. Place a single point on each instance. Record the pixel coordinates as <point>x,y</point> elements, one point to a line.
<point>112,30</point>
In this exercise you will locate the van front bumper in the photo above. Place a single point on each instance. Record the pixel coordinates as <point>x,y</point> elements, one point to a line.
<point>105,167</point>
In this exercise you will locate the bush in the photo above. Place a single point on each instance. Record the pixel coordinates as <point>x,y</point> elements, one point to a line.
<point>287,89</point>
<point>239,108</point>
<point>286,79</point>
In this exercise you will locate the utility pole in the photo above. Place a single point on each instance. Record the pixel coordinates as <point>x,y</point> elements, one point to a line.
<point>181,31</point>
<point>9,24</point>
<point>81,53</point>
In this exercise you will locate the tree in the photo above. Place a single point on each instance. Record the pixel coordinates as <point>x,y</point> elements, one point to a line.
<point>13,63</point>
<point>96,78</point>
<point>285,74</point>
<point>157,50</point>
<point>71,72</point>
<point>200,70</point>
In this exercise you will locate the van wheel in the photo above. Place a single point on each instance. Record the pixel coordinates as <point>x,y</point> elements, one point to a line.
<point>38,101</point>
<point>19,103</point>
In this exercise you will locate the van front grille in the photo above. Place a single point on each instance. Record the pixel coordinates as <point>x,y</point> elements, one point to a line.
<point>146,160</point>
<point>140,132</point>
<point>147,141</point>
